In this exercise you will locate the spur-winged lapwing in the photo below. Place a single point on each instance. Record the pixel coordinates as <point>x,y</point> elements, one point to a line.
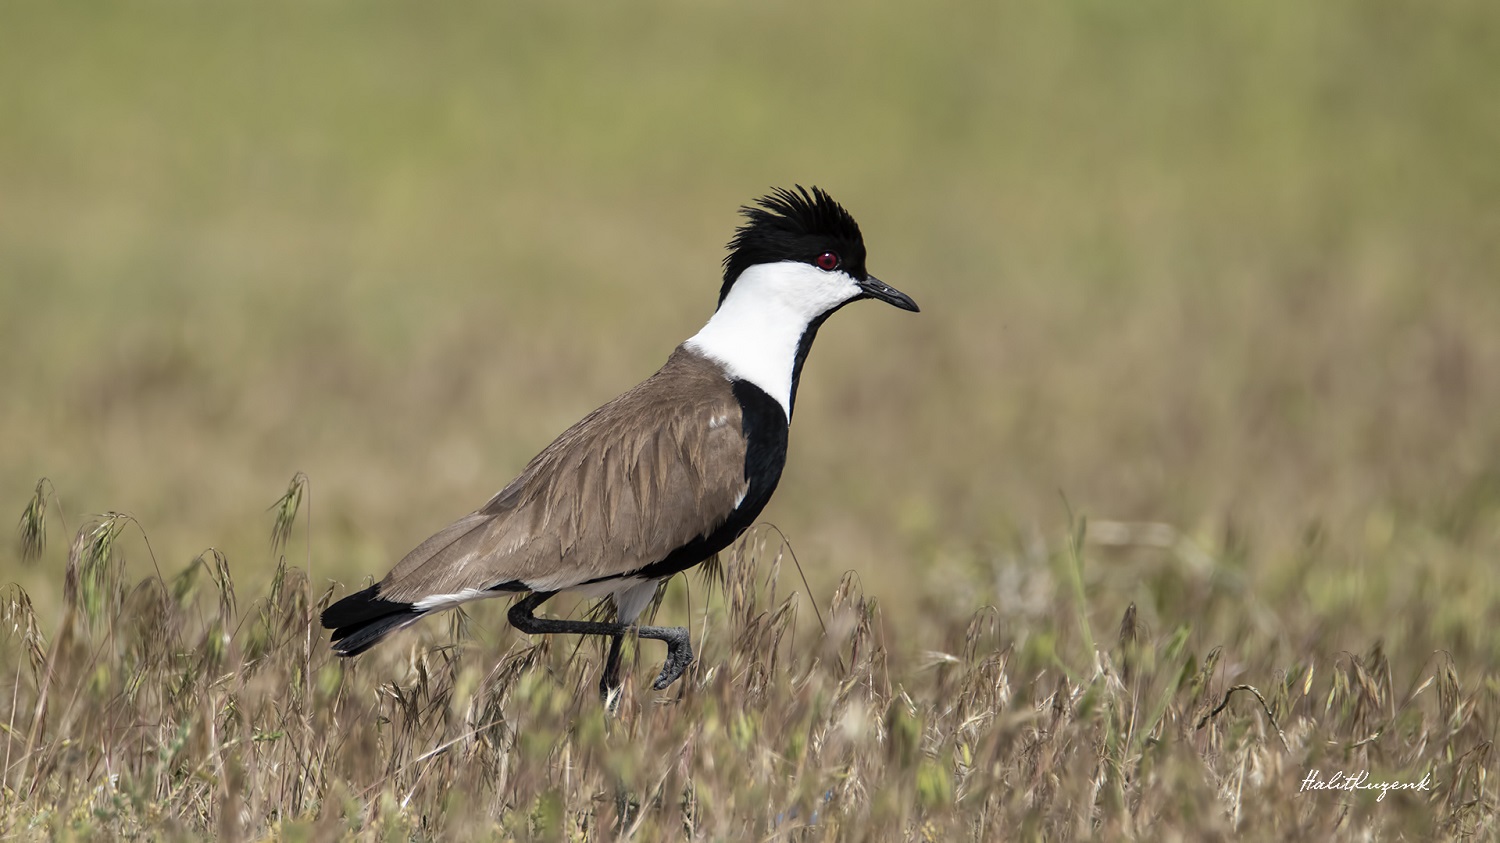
<point>662,477</point>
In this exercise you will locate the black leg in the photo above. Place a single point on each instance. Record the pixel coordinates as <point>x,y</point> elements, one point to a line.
<point>611,678</point>
<point>679,649</point>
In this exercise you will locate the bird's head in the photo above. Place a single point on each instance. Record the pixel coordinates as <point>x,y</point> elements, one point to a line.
<point>799,249</point>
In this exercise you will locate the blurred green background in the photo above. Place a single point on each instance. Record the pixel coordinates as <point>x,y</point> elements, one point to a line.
<point>1229,268</point>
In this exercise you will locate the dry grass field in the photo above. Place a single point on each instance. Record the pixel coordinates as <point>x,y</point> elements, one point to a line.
<point>1183,487</point>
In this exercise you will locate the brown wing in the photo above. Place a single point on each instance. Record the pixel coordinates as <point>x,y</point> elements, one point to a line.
<point>636,479</point>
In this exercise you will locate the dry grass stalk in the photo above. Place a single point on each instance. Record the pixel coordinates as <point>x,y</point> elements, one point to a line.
<point>162,708</point>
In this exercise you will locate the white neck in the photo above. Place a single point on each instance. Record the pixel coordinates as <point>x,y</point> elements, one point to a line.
<point>755,332</point>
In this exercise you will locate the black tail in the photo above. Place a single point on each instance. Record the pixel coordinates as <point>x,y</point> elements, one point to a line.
<point>360,620</point>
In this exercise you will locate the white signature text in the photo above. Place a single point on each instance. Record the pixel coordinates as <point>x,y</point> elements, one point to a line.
<point>1360,781</point>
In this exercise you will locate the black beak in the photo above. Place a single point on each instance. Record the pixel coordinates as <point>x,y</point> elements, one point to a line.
<point>876,289</point>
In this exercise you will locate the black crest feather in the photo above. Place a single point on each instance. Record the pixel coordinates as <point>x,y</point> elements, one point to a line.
<point>795,225</point>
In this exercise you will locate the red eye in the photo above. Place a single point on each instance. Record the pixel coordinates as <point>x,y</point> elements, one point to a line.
<point>828,261</point>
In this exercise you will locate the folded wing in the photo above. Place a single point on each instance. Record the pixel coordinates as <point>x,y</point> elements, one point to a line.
<point>644,475</point>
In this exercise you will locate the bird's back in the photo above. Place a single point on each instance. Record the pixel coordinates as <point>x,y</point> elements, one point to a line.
<point>637,479</point>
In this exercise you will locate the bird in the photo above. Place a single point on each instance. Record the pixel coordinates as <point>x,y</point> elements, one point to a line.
<point>661,478</point>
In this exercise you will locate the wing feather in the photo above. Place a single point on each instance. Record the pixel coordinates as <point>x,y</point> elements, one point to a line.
<point>633,481</point>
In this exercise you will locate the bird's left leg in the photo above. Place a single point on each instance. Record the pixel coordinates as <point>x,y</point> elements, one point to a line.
<point>679,649</point>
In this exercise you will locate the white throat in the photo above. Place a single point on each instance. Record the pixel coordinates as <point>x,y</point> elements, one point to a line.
<point>755,332</point>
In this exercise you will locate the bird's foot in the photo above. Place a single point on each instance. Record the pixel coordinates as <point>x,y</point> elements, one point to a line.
<point>679,656</point>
